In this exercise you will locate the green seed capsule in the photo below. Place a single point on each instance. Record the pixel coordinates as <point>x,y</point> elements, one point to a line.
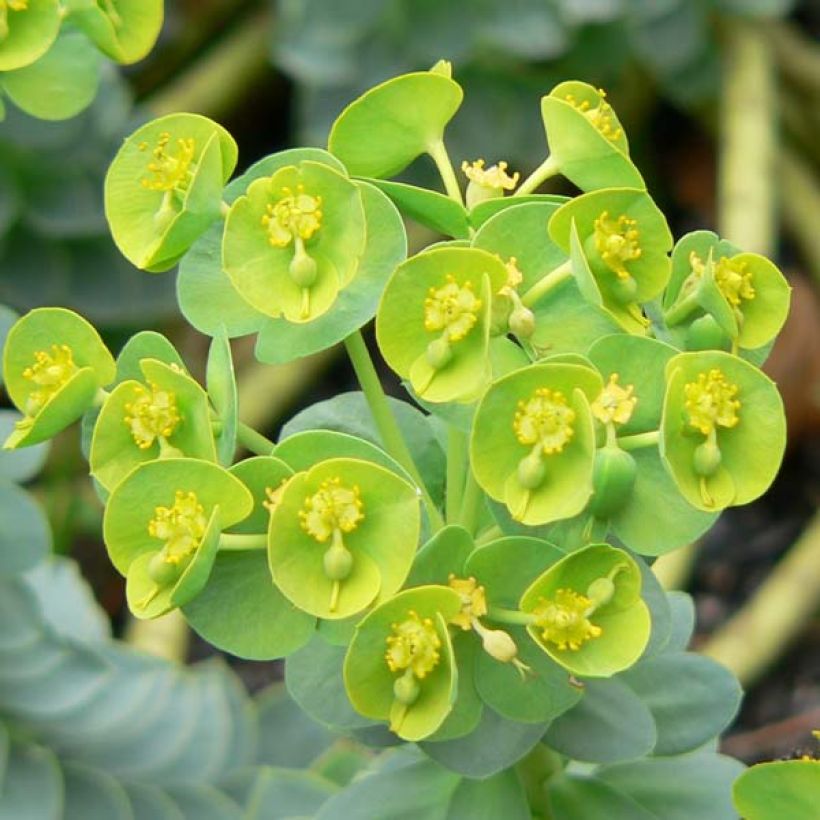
<point>439,353</point>
<point>406,689</point>
<point>522,322</point>
<point>600,591</point>
<point>706,334</point>
<point>338,563</point>
<point>162,572</point>
<point>613,480</point>
<point>303,269</point>
<point>531,471</point>
<point>624,290</point>
<point>706,458</point>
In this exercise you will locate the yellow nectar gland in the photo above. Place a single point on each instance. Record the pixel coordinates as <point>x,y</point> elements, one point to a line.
<point>545,419</point>
<point>334,508</point>
<point>452,308</point>
<point>473,601</point>
<point>494,178</point>
<point>563,620</point>
<point>615,403</point>
<point>414,645</point>
<point>733,278</point>
<point>181,526</point>
<point>152,415</point>
<point>514,275</point>
<point>50,372</point>
<point>601,116</point>
<point>710,402</point>
<point>616,240</point>
<point>273,496</point>
<point>295,215</point>
<point>169,170</point>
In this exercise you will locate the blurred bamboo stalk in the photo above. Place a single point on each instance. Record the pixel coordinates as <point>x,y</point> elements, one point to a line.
<point>797,54</point>
<point>674,568</point>
<point>166,637</point>
<point>800,200</point>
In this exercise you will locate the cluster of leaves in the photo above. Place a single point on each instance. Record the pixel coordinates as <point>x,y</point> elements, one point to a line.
<point>597,400</point>
<point>51,51</point>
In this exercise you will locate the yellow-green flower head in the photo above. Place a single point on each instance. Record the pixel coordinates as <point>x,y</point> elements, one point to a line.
<point>732,277</point>
<point>50,371</point>
<point>563,619</point>
<point>495,177</point>
<point>169,169</point>
<point>615,404</point>
<point>617,241</point>
<point>181,526</point>
<point>414,645</point>
<point>153,414</point>
<point>473,601</point>
<point>710,402</point>
<point>452,308</point>
<point>294,215</point>
<point>546,419</point>
<point>334,508</point>
<point>601,115</point>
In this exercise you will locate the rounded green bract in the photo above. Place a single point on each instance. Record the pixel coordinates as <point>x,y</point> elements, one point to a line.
<point>27,30</point>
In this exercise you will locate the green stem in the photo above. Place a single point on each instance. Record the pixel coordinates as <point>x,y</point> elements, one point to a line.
<point>385,421</point>
<point>471,503</point>
<point>639,440</point>
<point>251,440</point>
<point>490,534</point>
<point>456,471</point>
<point>445,168</point>
<point>682,309</point>
<point>510,616</point>
<point>241,541</point>
<point>548,168</point>
<point>547,283</point>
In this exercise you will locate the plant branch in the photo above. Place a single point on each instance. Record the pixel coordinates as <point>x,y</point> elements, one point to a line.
<point>548,168</point>
<point>253,441</point>
<point>445,168</point>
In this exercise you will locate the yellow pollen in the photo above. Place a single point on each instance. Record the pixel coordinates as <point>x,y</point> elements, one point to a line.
<point>617,242</point>
<point>514,275</point>
<point>333,508</point>
<point>414,645</point>
<point>181,526</point>
<point>601,116</point>
<point>733,278</point>
<point>615,403</point>
<point>453,308</point>
<point>294,215</point>
<point>495,177</point>
<point>171,170</point>
<point>153,414</point>
<point>274,496</point>
<point>710,402</point>
<point>473,601</point>
<point>545,419</point>
<point>563,620</point>
<point>49,373</point>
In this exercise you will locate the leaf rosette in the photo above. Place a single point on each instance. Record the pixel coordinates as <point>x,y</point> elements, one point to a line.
<point>433,322</point>
<point>533,441</point>
<point>166,415</point>
<point>54,364</point>
<point>400,665</point>
<point>723,430</point>
<point>27,30</point>
<point>342,535</point>
<point>294,240</point>
<point>162,526</point>
<point>164,187</point>
<point>587,611</point>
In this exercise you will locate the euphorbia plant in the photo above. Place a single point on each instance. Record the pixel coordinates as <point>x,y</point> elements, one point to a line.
<point>469,577</point>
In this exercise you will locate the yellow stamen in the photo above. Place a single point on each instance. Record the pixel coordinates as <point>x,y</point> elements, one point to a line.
<point>710,402</point>
<point>514,275</point>
<point>544,419</point>
<point>296,214</point>
<point>733,278</point>
<point>563,620</point>
<point>333,507</point>
<point>181,526</point>
<point>453,308</point>
<point>414,645</point>
<point>617,242</point>
<point>274,496</point>
<point>601,116</point>
<point>170,170</point>
<point>50,372</point>
<point>495,177</point>
<point>153,414</point>
<point>615,403</point>
<point>473,601</point>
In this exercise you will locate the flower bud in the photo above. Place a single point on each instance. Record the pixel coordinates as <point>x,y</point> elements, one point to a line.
<point>531,471</point>
<point>163,573</point>
<point>600,591</point>
<point>613,480</point>
<point>406,689</point>
<point>499,645</point>
<point>706,458</point>
<point>439,353</point>
<point>338,563</point>
<point>303,269</point>
<point>522,322</point>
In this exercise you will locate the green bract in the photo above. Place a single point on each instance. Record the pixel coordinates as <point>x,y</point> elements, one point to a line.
<point>294,240</point>
<point>124,30</point>
<point>743,294</point>
<point>587,612</point>
<point>162,526</point>
<point>433,322</point>
<point>383,131</point>
<point>399,666</point>
<point>54,364</point>
<point>533,441</point>
<point>625,240</point>
<point>723,430</point>
<point>778,790</point>
<point>164,187</point>
<point>164,415</point>
<point>27,30</point>
<point>586,139</point>
<point>342,535</point>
